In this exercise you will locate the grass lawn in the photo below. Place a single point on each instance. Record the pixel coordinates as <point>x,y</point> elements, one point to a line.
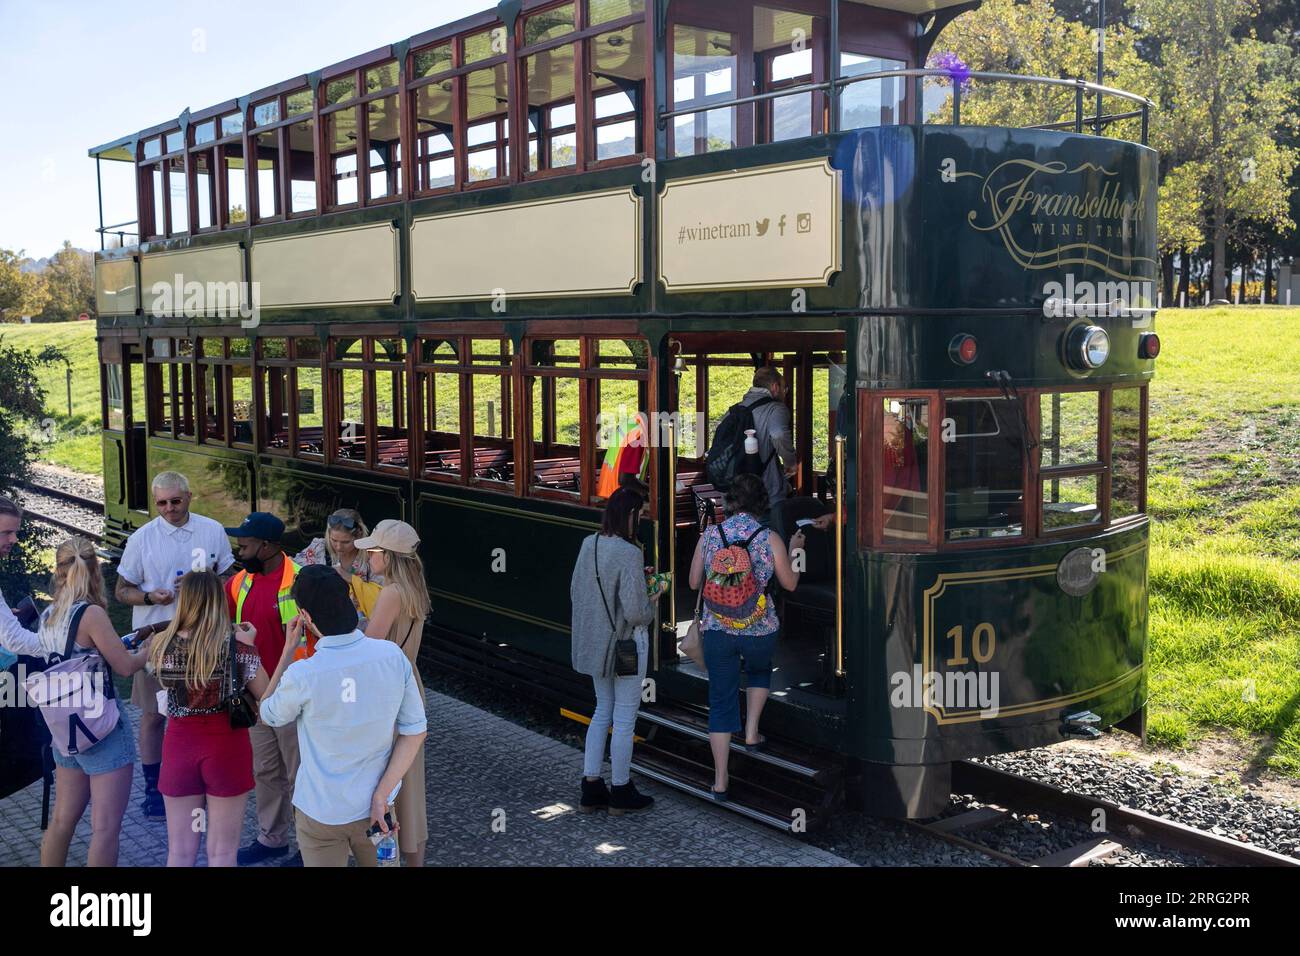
<point>76,438</point>
<point>1224,495</point>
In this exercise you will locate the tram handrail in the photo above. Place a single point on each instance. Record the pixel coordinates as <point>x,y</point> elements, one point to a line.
<point>956,80</point>
<point>672,529</point>
<point>839,555</point>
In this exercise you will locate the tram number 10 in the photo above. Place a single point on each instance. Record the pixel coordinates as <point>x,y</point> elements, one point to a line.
<point>983,643</point>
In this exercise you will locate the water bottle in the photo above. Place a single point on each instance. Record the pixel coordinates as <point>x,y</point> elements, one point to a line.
<point>751,442</point>
<point>386,851</point>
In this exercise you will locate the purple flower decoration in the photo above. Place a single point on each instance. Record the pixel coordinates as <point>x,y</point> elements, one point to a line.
<point>952,64</point>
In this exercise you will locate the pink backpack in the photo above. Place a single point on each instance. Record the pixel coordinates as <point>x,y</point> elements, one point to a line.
<point>75,695</point>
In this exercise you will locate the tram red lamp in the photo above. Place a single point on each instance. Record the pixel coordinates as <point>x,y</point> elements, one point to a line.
<point>963,349</point>
<point>1148,346</point>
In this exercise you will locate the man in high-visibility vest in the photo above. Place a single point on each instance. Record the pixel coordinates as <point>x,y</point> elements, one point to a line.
<point>262,594</point>
<point>626,460</point>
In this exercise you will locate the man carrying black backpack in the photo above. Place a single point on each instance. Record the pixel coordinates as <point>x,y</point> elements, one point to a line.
<point>763,409</point>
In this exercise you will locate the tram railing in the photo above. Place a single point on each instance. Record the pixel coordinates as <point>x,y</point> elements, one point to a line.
<point>119,230</point>
<point>957,81</point>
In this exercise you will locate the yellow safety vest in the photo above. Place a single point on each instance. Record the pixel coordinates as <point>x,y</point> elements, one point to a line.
<point>242,583</point>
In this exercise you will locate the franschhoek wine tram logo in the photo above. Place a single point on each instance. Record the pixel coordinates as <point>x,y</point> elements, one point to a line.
<point>1092,225</point>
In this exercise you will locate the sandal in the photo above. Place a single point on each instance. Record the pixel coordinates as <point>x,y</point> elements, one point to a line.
<point>754,747</point>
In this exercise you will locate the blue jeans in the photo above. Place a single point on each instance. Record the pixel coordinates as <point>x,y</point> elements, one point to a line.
<point>115,751</point>
<point>723,656</point>
<point>618,699</point>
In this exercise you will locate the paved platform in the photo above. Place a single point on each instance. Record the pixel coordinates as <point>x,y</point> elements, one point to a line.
<point>498,795</point>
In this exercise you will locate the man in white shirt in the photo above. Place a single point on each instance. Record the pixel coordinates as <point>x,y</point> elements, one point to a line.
<point>13,636</point>
<point>348,700</point>
<point>155,557</point>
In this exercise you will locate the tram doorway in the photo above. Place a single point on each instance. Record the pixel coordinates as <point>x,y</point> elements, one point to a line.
<point>707,377</point>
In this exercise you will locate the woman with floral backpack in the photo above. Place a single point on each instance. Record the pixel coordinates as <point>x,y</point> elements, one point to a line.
<point>735,562</point>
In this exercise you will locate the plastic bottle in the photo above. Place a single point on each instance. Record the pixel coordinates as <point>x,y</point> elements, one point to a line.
<point>386,851</point>
<point>751,442</point>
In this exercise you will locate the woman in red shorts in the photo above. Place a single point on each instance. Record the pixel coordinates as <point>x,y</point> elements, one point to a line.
<point>207,766</point>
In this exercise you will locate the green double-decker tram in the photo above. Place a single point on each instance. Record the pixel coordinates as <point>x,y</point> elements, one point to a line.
<point>423,283</point>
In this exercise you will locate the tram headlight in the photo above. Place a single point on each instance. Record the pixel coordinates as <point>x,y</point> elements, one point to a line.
<point>1088,347</point>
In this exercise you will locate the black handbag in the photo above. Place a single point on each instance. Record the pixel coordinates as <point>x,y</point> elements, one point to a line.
<point>627,662</point>
<point>239,702</point>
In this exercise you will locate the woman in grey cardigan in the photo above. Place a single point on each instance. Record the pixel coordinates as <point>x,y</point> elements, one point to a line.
<point>610,601</point>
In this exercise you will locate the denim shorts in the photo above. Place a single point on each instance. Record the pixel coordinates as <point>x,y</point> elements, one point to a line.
<point>723,655</point>
<point>115,751</point>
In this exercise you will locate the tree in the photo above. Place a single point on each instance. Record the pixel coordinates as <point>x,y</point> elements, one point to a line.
<point>70,279</point>
<point>1226,100</point>
<point>22,403</point>
<point>21,293</point>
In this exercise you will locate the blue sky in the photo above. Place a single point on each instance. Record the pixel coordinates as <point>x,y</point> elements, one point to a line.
<point>81,73</point>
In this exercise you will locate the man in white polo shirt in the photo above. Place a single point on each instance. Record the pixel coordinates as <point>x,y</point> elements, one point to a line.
<point>154,559</point>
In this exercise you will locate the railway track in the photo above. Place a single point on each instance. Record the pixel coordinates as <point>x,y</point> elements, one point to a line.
<point>75,503</point>
<point>1116,827</point>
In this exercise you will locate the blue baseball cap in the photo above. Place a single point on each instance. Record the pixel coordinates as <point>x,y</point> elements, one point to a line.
<point>261,525</point>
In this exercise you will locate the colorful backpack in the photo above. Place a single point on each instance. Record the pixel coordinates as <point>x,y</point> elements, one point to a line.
<point>731,591</point>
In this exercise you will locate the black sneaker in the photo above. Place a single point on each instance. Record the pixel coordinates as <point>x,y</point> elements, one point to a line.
<point>595,796</point>
<point>295,860</point>
<point>257,851</point>
<point>625,799</point>
<point>152,806</point>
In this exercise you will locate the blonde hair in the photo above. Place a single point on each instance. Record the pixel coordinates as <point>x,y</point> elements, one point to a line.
<point>77,577</point>
<point>201,612</point>
<point>405,572</point>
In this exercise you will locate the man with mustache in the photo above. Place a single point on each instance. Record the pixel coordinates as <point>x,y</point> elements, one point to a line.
<point>262,595</point>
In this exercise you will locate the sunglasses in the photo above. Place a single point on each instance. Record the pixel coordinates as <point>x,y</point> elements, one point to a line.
<point>342,521</point>
<point>174,502</point>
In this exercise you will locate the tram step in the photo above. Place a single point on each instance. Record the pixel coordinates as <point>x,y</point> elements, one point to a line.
<point>745,799</point>
<point>777,753</point>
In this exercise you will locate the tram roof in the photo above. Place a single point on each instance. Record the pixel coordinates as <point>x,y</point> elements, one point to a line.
<point>122,149</point>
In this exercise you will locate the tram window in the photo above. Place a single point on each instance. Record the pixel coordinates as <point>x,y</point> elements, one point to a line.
<point>341,135</point>
<point>205,193</point>
<point>556,435</point>
<point>232,167</point>
<point>487,97</point>
<point>607,11</point>
<point>704,72</point>
<point>687,413</point>
<point>266,148</point>
<point>350,400</point>
<point>381,77</point>
<point>153,148</point>
<point>550,24</point>
<point>484,45</point>
<point>440,395</point>
<point>984,469</point>
<point>785,44</point>
<point>241,405</point>
<point>384,132</point>
<point>213,380</point>
<point>550,78</point>
<point>241,348</point>
<point>493,440</point>
<point>309,410</point>
<point>435,136</point>
<point>431,61</point>
<point>616,61</point>
<point>232,124</point>
<point>825,401</point>
<point>114,406</point>
<point>264,114</point>
<point>302,166</point>
<point>1068,423</point>
<point>621,430</point>
<point>159,200</point>
<point>905,481</point>
<point>557,353</point>
<point>178,196</point>
<point>1126,458</point>
<point>490,352</point>
<point>392,438</point>
<point>870,102</point>
<point>1070,502</point>
<point>275,407</point>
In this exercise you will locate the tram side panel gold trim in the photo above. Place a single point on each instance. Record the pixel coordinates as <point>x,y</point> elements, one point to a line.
<point>357,266</point>
<point>930,649</point>
<point>582,245</point>
<point>770,227</point>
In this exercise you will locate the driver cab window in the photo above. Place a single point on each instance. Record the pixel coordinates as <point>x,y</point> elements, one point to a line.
<point>984,481</point>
